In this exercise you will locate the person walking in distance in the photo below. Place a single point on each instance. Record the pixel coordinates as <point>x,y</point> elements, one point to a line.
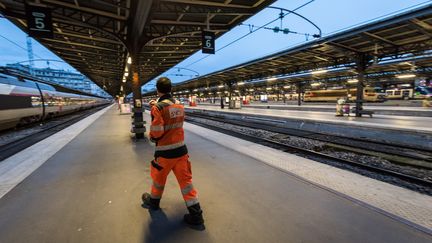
<point>171,154</point>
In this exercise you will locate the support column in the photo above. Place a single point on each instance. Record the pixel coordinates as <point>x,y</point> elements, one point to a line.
<point>299,92</point>
<point>138,121</point>
<point>230,90</point>
<point>361,67</point>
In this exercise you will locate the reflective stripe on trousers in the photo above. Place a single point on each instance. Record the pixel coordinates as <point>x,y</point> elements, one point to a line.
<point>191,202</point>
<point>182,170</point>
<point>187,189</point>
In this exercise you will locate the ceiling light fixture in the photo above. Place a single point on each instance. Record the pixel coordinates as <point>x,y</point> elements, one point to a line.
<point>319,71</point>
<point>405,76</point>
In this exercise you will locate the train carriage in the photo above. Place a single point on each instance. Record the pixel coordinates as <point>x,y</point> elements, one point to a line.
<point>23,101</point>
<point>331,95</point>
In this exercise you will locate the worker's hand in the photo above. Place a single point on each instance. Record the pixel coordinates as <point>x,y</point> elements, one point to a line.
<point>152,102</point>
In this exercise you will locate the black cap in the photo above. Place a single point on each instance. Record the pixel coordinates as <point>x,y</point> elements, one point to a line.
<point>163,85</point>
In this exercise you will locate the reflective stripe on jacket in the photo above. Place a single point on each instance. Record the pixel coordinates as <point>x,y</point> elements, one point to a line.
<point>167,128</point>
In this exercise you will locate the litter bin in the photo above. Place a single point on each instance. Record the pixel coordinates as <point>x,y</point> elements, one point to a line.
<point>346,109</point>
<point>234,104</point>
<point>125,109</point>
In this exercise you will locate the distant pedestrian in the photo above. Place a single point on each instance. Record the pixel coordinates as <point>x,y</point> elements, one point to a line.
<point>222,102</point>
<point>167,132</point>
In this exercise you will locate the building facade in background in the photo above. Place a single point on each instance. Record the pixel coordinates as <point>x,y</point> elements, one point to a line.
<point>64,78</point>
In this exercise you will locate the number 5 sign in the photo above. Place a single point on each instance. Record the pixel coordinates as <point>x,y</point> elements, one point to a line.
<point>208,42</point>
<point>39,23</point>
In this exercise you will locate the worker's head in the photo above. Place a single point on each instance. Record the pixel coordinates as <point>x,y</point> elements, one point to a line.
<point>163,86</point>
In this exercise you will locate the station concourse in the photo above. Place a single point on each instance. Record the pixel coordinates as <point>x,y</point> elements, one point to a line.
<point>89,191</point>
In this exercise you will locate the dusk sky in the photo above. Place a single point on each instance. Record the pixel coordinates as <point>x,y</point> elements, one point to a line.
<point>329,15</point>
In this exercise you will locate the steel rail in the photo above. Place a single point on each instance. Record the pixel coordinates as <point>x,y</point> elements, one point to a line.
<point>295,149</point>
<point>15,146</point>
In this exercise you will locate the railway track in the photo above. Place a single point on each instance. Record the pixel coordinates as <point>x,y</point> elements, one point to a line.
<point>394,153</point>
<point>14,145</point>
<point>309,152</point>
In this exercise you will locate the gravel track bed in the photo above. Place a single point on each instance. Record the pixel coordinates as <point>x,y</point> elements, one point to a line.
<point>323,147</point>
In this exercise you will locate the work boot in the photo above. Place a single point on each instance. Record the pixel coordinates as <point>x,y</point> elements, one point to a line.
<point>194,217</point>
<point>149,202</point>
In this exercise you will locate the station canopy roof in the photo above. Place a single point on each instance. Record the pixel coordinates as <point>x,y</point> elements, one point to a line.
<point>400,43</point>
<point>96,36</point>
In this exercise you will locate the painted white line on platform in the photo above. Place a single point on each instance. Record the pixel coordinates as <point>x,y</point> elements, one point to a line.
<point>16,168</point>
<point>404,203</point>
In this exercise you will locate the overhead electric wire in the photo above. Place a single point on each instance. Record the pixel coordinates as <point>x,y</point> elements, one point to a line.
<point>357,24</point>
<point>253,31</point>
<point>25,49</point>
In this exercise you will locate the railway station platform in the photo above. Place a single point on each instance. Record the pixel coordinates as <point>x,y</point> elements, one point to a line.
<point>408,131</point>
<point>84,184</point>
<point>397,122</point>
<point>378,109</point>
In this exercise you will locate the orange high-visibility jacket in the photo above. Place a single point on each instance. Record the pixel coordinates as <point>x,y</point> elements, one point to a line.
<point>167,128</point>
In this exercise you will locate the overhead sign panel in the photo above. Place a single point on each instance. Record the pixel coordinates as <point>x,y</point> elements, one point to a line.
<point>39,23</point>
<point>208,42</point>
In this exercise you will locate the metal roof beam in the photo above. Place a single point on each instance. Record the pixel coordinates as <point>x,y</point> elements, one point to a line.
<point>89,38</point>
<point>94,60</point>
<point>321,54</point>
<point>174,22</point>
<point>340,46</point>
<point>423,27</point>
<point>422,24</point>
<point>212,4</point>
<point>84,25</point>
<point>85,9</point>
<point>83,51</point>
<point>170,45</point>
<point>167,52</point>
<point>70,59</point>
<point>79,44</point>
<point>379,38</point>
<point>167,57</point>
<point>141,10</point>
<point>202,14</point>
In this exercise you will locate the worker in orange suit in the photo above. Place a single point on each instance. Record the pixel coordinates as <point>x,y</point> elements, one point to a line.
<point>167,132</point>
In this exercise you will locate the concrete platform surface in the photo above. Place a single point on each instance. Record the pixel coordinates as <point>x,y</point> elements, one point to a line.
<point>89,191</point>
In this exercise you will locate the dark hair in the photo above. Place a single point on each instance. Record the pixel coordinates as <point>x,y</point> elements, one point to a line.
<point>163,85</point>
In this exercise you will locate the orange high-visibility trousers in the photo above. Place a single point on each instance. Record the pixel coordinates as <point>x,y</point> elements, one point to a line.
<point>159,170</point>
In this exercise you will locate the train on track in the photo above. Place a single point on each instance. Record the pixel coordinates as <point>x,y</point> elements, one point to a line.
<point>23,101</point>
<point>369,94</point>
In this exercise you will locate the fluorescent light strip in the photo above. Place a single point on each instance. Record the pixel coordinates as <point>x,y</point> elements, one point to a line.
<point>405,76</point>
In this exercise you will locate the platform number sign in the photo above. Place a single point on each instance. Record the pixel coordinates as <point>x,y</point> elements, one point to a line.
<point>39,23</point>
<point>208,42</point>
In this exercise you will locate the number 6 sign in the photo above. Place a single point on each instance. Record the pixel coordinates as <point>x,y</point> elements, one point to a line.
<point>39,23</point>
<point>208,42</point>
